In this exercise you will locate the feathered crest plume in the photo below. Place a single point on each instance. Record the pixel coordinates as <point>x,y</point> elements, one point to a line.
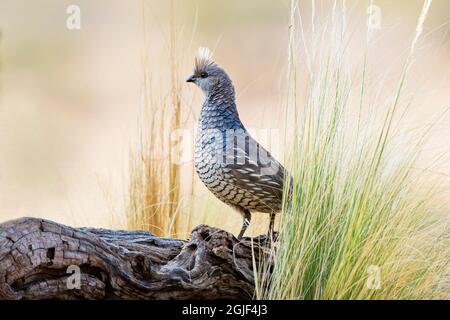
<point>203,59</point>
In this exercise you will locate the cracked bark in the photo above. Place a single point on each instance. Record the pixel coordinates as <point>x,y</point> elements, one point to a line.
<point>35,255</point>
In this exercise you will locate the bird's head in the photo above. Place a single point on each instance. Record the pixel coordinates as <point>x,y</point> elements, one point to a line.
<point>208,75</point>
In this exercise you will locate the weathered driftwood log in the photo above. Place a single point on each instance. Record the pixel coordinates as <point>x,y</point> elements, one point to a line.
<point>39,260</point>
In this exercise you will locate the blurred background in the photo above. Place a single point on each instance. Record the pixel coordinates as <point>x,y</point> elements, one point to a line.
<point>70,99</point>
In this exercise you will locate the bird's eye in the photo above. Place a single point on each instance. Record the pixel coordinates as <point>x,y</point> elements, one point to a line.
<point>203,74</point>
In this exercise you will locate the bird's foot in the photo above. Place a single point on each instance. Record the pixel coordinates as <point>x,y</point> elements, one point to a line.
<point>263,239</point>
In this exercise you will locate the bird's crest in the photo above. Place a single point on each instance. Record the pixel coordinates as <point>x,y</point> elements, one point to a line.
<point>203,59</point>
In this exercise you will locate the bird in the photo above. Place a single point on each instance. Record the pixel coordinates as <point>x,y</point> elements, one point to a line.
<point>231,164</point>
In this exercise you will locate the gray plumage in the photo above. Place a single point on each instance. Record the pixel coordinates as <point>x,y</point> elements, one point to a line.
<point>231,164</point>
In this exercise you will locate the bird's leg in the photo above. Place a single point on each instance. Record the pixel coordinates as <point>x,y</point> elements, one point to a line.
<point>270,234</point>
<point>247,218</point>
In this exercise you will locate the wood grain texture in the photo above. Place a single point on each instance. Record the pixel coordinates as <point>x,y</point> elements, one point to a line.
<point>35,255</point>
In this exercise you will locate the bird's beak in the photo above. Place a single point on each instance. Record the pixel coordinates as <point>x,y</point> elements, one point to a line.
<point>191,79</point>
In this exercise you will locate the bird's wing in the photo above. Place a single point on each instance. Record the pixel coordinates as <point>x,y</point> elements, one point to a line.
<point>255,170</point>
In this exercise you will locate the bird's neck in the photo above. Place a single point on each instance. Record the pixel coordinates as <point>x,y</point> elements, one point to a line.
<point>219,110</point>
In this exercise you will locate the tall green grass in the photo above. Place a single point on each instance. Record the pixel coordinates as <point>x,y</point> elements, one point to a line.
<point>362,222</point>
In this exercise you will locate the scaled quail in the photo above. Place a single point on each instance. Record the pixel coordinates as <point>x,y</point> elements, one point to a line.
<point>232,165</point>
